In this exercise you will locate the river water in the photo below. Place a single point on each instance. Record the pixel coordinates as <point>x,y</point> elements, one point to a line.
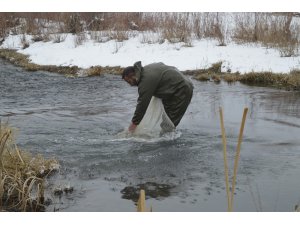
<point>76,120</point>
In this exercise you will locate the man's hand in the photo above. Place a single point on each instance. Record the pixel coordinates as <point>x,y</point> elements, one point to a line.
<point>132,127</point>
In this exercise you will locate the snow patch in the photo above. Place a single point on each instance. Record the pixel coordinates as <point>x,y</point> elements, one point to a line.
<point>203,53</point>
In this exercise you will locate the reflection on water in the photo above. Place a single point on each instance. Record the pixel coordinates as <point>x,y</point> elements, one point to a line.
<point>77,121</point>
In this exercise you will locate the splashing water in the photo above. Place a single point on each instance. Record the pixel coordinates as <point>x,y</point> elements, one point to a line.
<point>155,125</point>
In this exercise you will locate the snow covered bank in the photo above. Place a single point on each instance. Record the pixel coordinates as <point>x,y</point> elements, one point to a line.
<point>203,53</point>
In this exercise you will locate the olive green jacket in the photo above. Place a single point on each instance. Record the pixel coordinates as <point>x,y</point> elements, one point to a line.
<point>159,80</point>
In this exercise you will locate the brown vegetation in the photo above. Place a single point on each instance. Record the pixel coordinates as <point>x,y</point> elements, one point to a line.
<point>274,30</point>
<point>21,60</point>
<point>289,81</point>
<point>22,175</point>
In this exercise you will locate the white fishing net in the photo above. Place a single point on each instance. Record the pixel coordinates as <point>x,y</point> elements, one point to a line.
<point>155,122</point>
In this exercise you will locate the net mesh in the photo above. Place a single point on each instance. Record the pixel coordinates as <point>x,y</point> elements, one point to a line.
<point>155,122</point>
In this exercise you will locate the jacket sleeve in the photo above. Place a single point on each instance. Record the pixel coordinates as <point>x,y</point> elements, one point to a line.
<point>146,90</point>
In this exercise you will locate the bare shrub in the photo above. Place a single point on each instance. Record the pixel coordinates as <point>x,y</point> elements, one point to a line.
<point>151,38</point>
<point>282,34</point>
<point>32,26</point>
<point>120,35</point>
<point>37,38</point>
<point>101,36</point>
<point>24,41</point>
<point>246,27</point>
<point>96,24</point>
<point>208,25</point>
<point>198,30</point>
<point>26,23</point>
<point>57,38</point>
<point>211,25</point>
<point>79,39</point>
<point>150,21</point>
<point>114,21</point>
<point>176,28</point>
<point>5,24</point>
<point>273,30</point>
<point>288,43</point>
<point>218,28</point>
<point>289,48</point>
<point>46,37</point>
<point>73,23</point>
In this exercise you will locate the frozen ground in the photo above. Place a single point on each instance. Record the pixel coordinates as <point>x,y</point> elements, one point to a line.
<point>241,58</point>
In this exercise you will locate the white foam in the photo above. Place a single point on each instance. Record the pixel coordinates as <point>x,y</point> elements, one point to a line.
<point>126,136</point>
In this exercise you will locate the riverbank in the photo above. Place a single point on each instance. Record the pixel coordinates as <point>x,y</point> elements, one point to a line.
<point>22,175</point>
<point>252,48</point>
<point>22,60</point>
<point>288,81</point>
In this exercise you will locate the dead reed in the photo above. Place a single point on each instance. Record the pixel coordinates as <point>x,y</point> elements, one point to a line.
<point>230,191</point>
<point>141,204</point>
<point>274,30</point>
<point>22,175</point>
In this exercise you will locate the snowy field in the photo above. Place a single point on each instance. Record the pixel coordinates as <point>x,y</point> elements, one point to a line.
<point>201,54</point>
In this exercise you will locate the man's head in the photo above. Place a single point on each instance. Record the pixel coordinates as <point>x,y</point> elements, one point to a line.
<point>129,76</point>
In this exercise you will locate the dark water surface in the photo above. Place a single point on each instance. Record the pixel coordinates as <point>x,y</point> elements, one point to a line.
<point>77,119</point>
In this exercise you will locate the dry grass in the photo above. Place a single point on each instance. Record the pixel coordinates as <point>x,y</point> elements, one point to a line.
<point>22,175</point>
<point>288,81</point>
<point>202,77</point>
<point>265,78</point>
<point>231,78</point>
<point>211,73</point>
<point>216,78</point>
<point>94,71</point>
<point>19,59</point>
<point>79,39</point>
<point>56,38</point>
<point>176,28</point>
<point>151,38</point>
<point>273,30</point>
<point>101,36</point>
<point>292,81</point>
